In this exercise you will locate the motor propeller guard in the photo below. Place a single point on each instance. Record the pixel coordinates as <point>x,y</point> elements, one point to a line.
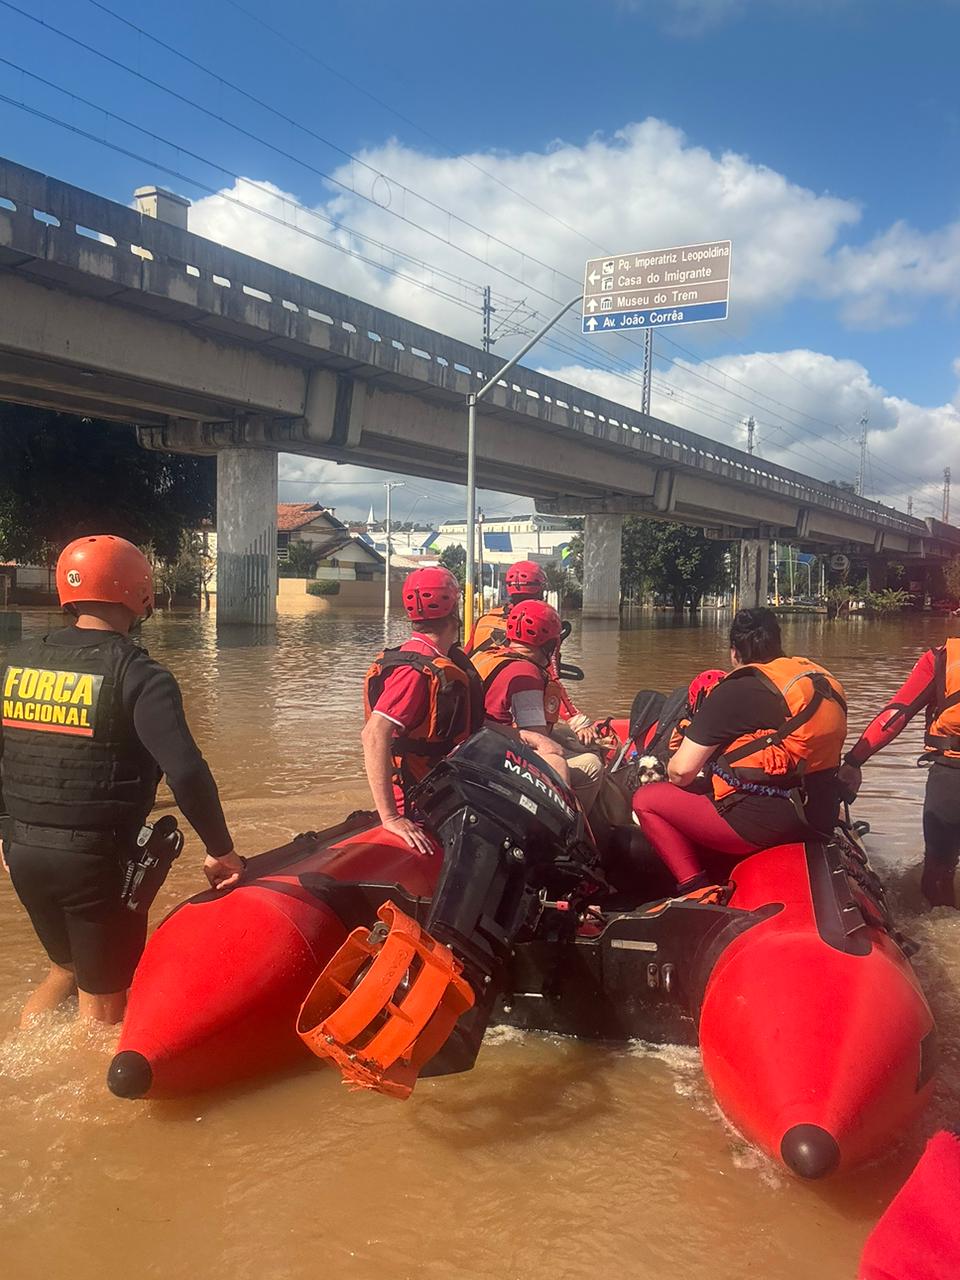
<point>385,1004</point>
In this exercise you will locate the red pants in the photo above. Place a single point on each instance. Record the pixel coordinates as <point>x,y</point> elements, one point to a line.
<point>680,825</point>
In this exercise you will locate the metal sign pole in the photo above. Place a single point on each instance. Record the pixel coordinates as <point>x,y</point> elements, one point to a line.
<point>389,485</point>
<point>647,370</point>
<point>470,575</point>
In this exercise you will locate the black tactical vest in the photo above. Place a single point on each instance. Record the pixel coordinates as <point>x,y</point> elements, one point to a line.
<point>71,757</point>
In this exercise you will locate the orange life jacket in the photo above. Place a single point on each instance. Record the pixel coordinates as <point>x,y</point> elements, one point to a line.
<point>678,733</point>
<point>942,741</point>
<point>808,738</point>
<point>490,632</point>
<point>490,629</point>
<point>454,709</point>
<point>490,662</point>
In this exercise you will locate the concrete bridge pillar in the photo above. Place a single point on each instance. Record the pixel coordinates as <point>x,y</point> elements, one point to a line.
<point>878,570</point>
<point>247,537</point>
<point>754,573</point>
<point>601,566</point>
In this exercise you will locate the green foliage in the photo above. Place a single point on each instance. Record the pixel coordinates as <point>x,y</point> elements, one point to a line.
<point>838,600</point>
<point>183,574</point>
<point>675,562</point>
<point>951,577</point>
<point>562,580</point>
<point>876,604</point>
<point>557,577</point>
<point>455,559</point>
<point>323,587</point>
<point>575,558</point>
<point>61,477</point>
<point>301,562</point>
<point>880,604</point>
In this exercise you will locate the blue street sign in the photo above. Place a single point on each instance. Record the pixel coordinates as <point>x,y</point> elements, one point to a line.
<point>654,318</point>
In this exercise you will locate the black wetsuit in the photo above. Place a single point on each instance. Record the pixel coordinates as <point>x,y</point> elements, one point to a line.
<point>69,877</point>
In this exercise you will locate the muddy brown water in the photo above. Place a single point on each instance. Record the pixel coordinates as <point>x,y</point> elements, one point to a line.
<point>552,1160</point>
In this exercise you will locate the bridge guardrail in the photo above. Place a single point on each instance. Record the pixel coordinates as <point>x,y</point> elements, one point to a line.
<point>43,213</point>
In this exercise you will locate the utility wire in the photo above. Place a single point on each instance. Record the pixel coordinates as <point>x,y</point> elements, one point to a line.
<point>331,70</point>
<point>316,213</point>
<point>492,177</point>
<point>288,155</point>
<point>796,438</point>
<point>326,142</point>
<point>357,160</point>
<point>229,173</point>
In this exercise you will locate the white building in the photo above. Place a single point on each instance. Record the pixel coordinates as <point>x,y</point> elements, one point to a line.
<point>527,537</point>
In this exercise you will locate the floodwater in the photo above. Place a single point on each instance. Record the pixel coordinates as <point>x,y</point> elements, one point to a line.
<point>552,1160</point>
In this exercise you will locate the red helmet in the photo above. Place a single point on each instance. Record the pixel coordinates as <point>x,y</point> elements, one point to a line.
<point>525,578</point>
<point>701,685</point>
<point>430,593</point>
<point>534,623</point>
<point>107,570</point>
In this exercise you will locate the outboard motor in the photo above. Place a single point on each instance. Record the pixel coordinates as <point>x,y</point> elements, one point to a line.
<point>395,998</point>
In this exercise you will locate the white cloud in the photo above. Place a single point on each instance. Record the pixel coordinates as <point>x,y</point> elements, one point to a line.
<point>694,17</point>
<point>815,426</point>
<point>643,187</point>
<point>878,282</point>
<point>646,186</point>
<point>351,491</point>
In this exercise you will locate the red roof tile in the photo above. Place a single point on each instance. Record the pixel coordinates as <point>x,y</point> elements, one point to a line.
<point>297,515</point>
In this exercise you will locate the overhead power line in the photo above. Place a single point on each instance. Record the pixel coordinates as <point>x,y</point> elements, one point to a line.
<point>281,151</point>
<point>299,48</point>
<point>338,246</point>
<point>468,160</point>
<point>345,153</point>
<point>316,213</point>
<point>300,230</point>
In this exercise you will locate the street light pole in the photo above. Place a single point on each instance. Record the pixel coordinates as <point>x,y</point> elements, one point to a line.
<point>389,485</point>
<point>473,398</point>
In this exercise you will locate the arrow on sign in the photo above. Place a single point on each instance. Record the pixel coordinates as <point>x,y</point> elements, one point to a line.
<point>593,277</point>
<point>592,305</point>
<point>591,324</point>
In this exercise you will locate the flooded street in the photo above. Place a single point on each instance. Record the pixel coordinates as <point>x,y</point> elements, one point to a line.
<point>552,1160</point>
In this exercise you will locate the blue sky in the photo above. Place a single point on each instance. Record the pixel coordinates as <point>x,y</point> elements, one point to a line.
<point>823,136</point>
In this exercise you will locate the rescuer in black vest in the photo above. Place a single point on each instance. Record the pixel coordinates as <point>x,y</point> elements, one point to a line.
<point>90,725</point>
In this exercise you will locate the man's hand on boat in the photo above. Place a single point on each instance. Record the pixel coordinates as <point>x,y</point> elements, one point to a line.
<point>223,872</point>
<point>849,778</point>
<point>409,833</point>
<point>585,730</point>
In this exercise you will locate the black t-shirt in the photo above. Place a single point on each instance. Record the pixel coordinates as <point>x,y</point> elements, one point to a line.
<point>151,696</point>
<point>742,706</point>
<point>736,707</point>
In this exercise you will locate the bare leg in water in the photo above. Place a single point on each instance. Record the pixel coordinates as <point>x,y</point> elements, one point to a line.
<point>58,986</point>
<point>103,1008</point>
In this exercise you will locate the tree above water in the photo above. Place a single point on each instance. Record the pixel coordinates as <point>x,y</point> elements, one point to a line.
<point>62,477</point>
<point>455,559</point>
<point>674,561</point>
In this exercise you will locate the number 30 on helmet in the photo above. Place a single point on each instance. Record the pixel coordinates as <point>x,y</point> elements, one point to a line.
<point>429,594</point>
<point>106,570</point>
<point>534,623</point>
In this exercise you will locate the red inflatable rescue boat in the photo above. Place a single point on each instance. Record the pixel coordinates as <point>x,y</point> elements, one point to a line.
<point>816,1038</point>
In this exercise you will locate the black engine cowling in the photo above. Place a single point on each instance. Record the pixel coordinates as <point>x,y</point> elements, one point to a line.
<point>511,831</point>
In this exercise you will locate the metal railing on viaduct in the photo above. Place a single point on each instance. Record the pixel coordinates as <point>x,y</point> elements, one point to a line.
<point>109,312</point>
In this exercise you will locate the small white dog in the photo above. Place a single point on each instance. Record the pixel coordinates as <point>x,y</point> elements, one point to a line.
<point>649,769</point>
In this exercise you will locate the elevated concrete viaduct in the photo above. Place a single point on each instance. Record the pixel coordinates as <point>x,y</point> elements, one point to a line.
<point>111,312</point>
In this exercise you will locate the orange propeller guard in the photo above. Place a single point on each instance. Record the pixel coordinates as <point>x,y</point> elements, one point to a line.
<point>385,1004</point>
